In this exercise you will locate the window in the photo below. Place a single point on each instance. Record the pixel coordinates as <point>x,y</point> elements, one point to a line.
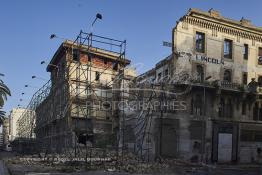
<point>257,112</point>
<point>166,72</point>
<point>89,58</point>
<point>244,78</point>
<point>159,76</point>
<point>105,61</point>
<point>200,73</point>
<point>200,42</point>
<point>75,54</point>
<point>259,80</point>
<point>115,66</point>
<point>259,56</point>
<point>228,49</point>
<point>227,76</point>
<point>197,105</point>
<point>97,76</point>
<point>245,52</point>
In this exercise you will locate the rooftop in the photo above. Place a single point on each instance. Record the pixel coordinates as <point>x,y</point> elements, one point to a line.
<point>96,45</point>
<point>215,16</point>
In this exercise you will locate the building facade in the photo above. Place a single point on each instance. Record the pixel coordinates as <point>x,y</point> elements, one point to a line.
<point>214,74</point>
<point>14,116</point>
<point>6,131</point>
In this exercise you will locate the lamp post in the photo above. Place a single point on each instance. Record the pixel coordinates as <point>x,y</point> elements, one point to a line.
<point>52,65</point>
<point>39,78</point>
<point>29,86</point>
<point>52,36</point>
<point>98,16</point>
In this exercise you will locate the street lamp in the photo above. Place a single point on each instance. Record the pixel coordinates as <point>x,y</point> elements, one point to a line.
<point>53,65</point>
<point>27,86</point>
<point>40,78</point>
<point>98,16</point>
<point>43,62</point>
<point>52,36</point>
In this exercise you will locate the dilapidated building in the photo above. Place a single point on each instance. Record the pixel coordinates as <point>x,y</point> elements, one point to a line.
<point>77,108</point>
<point>205,98</point>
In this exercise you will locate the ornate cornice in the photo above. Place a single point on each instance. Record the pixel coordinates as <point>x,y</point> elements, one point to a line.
<point>219,25</point>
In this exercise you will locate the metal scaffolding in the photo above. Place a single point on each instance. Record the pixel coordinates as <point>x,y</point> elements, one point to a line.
<point>69,108</point>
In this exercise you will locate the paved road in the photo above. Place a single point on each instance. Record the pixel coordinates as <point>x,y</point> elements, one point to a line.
<point>3,169</point>
<point>225,172</point>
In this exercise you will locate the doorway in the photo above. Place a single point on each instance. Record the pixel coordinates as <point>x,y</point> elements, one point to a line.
<point>224,147</point>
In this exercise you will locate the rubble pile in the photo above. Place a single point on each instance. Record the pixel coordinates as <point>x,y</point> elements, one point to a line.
<point>97,159</point>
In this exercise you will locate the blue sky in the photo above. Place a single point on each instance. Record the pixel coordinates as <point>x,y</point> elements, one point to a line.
<point>25,27</point>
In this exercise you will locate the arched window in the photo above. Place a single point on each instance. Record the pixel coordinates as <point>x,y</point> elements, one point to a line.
<point>227,75</point>
<point>200,73</point>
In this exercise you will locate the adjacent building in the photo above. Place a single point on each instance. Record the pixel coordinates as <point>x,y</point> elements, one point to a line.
<point>6,130</point>
<point>15,114</point>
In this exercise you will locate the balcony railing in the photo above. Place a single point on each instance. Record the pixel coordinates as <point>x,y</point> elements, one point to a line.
<point>229,85</point>
<point>222,84</point>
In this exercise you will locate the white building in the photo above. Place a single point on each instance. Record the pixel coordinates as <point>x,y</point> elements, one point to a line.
<point>15,113</point>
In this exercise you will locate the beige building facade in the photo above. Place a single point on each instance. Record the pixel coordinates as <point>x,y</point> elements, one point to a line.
<point>214,75</point>
<point>14,116</point>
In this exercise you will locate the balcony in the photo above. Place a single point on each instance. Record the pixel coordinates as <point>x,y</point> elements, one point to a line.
<point>222,85</point>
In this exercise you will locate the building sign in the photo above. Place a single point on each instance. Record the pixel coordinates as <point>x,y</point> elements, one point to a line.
<point>208,59</point>
<point>202,58</point>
